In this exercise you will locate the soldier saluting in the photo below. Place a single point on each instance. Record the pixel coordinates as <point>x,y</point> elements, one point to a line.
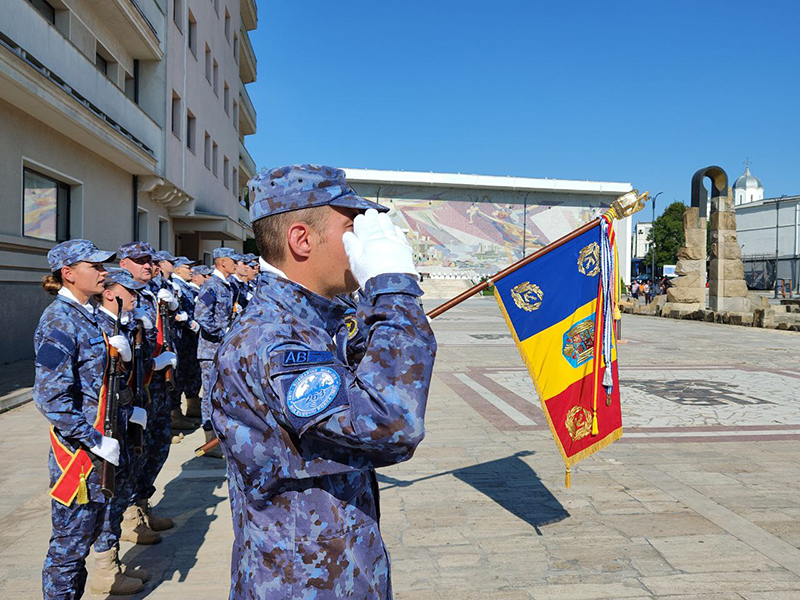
<point>302,424</point>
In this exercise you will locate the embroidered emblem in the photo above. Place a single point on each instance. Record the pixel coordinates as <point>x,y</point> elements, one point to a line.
<point>352,326</point>
<point>579,342</point>
<point>589,260</point>
<point>306,357</point>
<point>313,391</point>
<point>578,422</point>
<point>527,296</point>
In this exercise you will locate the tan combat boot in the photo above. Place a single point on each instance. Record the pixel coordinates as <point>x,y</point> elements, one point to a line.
<point>155,523</point>
<point>193,410</point>
<point>135,529</point>
<point>214,452</point>
<point>179,422</point>
<point>108,578</point>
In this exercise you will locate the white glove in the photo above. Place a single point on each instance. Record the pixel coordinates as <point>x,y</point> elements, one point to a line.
<point>168,298</point>
<point>164,360</point>
<point>194,326</point>
<point>108,450</point>
<point>181,317</point>
<point>138,315</point>
<point>139,416</point>
<point>121,343</point>
<point>376,247</point>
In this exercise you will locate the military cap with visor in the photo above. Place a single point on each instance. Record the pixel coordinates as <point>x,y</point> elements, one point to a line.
<point>75,251</point>
<point>123,278</point>
<point>136,250</point>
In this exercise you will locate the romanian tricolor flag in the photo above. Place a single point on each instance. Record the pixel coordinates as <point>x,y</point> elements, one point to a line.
<point>561,309</point>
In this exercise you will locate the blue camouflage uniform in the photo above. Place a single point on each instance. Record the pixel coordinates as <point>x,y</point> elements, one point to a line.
<point>158,433</point>
<point>213,311</point>
<point>304,420</point>
<point>176,328</point>
<point>71,358</point>
<point>188,379</point>
<point>125,475</point>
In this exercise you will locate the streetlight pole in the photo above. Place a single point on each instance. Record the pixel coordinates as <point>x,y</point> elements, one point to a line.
<point>653,242</point>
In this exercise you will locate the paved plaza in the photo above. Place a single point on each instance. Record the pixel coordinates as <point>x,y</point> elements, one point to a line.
<point>699,500</point>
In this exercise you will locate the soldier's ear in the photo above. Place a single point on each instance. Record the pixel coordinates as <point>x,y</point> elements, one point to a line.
<point>298,239</point>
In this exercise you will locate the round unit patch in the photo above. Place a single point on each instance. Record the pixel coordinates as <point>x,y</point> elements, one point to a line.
<point>313,391</point>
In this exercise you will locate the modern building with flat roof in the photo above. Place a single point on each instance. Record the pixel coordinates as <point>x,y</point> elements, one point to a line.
<point>468,226</point>
<point>120,120</point>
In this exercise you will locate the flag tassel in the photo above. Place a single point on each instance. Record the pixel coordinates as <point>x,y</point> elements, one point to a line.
<point>568,478</point>
<point>83,490</point>
<point>595,429</point>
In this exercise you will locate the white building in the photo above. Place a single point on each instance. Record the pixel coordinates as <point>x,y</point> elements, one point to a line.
<point>641,243</point>
<point>466,226</point>
<point>120,120</point>
<point>747,188</point>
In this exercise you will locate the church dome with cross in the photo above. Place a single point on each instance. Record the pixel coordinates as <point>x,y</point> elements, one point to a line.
<point>748,188</point>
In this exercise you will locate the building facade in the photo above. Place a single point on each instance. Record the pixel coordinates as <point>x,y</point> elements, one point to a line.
<point>468,226</point>
<point>122,120</point>
<point>769,235</point>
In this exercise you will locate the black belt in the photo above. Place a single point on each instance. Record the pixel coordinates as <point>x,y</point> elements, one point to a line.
<point>214,339</point>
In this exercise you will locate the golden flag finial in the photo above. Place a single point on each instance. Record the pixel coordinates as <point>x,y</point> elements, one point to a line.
<point>627,204</point>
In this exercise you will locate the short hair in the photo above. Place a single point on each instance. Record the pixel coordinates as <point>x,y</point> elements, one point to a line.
<point>270,232</point>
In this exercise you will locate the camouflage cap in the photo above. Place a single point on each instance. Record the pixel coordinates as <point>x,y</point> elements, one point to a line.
<point>164,255</point>
<point>182,261</point>
<point>202,270</point>
<point>123,278</point>
<point>224,253</point>
<point>136,250</point>
<point>302,186</point>
<point>75,251</point>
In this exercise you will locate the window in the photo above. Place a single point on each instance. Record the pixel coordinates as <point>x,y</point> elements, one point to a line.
<point>226,168</point>
<point>177,14</point>
<point>101,63</point>
<point>191,37</point>
<point>235,180</point>
<point>163,234</point>
<point>226,99</point>
<point>236,114</point>
<point>47,11</point>
<point>214,158</point>
<point>142,220</point>
<point>227,26</point>
<point>208,63</point>
<point>45,207</point>
<point>236,48</point>
<point>191,131</point>
<point>216,78</point>
<point>207,259</point>
<point>176,114</point>
<point>207,151</point>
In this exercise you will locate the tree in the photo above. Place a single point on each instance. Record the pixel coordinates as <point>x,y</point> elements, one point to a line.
<point>668,234</point>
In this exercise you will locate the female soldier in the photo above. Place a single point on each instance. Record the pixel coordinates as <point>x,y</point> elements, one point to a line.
<point>71,359</point>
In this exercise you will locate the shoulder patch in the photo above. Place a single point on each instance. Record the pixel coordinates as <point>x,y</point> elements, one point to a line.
<point>313,391</point>
<point>207,297</point>
<point>63,339</point>
<point>50,356</point>
<point>97,339</point>
<point>306,357</point>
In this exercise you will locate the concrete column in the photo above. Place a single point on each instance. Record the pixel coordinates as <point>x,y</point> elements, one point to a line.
<point>727,287</point>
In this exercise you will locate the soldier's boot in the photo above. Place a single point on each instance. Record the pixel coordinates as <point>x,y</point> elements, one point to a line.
<point>176,438</point>
<point>108,577</point>
<point>155,523</point>
<point>179,422</point>
<point>193,410</point>
<point>135,529</point>
<point>214,452</point>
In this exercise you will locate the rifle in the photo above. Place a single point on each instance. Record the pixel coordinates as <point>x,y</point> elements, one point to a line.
<point>137,433</point>
<point>169,373</point>
<point>108,471</point>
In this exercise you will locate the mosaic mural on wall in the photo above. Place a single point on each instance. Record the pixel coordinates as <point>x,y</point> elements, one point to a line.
<point>480,231</point>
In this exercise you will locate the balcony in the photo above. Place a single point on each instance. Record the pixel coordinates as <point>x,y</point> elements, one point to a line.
<point>247,112</point>
<point>50,79</point>
<point>131,26</point>
<point>247,166</point>
<point>247,59</point>
<point>249,14</point>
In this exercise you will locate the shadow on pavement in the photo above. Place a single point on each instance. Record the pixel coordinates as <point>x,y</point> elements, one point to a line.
<point>188,499</point>
<point>510,482</point>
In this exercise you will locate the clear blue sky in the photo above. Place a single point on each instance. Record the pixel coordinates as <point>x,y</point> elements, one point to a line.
<point>645,92</point>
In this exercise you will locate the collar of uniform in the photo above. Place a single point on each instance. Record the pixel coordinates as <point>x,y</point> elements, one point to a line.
<point>68,295</point>
<point>219,274</point>
<point>191,284</point>
<point>237,278</point>
<point>309,307</point>
<point>265,267</point>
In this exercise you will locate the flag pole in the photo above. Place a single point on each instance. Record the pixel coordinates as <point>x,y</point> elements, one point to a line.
<point>623,206</point>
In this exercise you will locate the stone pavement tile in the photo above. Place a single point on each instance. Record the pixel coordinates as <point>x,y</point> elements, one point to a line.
<point>608,591</point>
<point>722,581</point>
<point>722,596</point>
<point>667,525</point>
<point>498,594</point>
<point>710,553</point>
<point>793,595</point>
<point>427,593</point>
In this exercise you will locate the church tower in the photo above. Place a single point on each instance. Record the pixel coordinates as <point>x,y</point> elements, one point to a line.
<point>747,188</point>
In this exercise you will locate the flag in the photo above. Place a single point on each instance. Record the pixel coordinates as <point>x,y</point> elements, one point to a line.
<point>561,310</point>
